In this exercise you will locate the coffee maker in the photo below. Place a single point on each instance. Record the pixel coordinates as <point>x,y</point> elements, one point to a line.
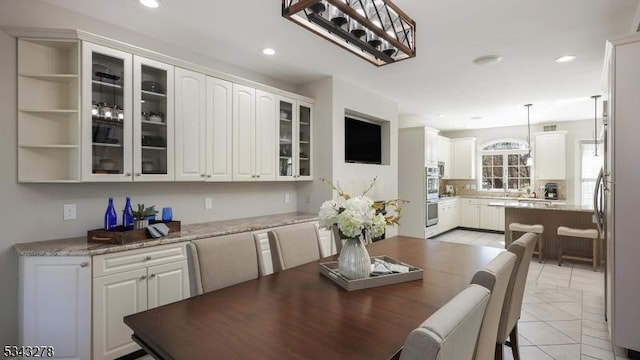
<point>551,191</point>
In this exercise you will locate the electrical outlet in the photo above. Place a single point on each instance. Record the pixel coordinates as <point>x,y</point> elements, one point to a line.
<point>69,212</point>
<point>207,203</point>
<point>286,198</point>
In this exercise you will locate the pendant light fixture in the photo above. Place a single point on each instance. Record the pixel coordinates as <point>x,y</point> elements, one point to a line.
<point>529,158</point>
<point>595,123</point>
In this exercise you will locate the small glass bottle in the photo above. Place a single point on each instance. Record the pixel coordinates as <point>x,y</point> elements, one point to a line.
<point>127,215</point>
<point>110,217</point>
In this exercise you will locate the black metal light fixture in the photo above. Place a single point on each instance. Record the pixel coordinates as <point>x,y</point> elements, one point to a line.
<point>529,158</point>
<point>376,30</point>
<point>595,123</point>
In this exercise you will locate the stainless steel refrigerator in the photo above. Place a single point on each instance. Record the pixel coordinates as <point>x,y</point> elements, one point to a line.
<point>617,197</point>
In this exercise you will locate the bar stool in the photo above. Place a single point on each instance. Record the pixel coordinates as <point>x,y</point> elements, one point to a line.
<point>587,234</point>
<point>536,229</point>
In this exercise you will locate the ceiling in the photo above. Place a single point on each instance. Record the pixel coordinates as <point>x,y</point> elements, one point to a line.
<point>440,87</point>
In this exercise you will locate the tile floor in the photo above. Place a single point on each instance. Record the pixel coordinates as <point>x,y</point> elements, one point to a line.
<point>563,307</point>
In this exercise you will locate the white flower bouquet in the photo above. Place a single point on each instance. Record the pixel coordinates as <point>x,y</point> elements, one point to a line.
<point>358,215</point>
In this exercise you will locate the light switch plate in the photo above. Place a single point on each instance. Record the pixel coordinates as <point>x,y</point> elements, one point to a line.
<point>208,203</point>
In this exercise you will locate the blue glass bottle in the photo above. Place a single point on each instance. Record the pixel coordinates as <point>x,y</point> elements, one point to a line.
<point>127,215</point>
<point>110,216</point>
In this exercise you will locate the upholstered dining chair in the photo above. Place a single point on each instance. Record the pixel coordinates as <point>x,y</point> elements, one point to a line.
<point>221,261</point>
<point>495,277</point>
<point>294,245</point>
<point>451,332</point>
<point>508,327</point>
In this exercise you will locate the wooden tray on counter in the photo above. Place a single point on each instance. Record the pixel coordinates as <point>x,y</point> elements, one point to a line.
<point>120,236</point>
<point>330,270</point>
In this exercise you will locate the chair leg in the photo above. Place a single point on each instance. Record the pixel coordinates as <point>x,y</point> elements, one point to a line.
<point>540,247</point>
<point>559,251</point>
<point>498,354</point>
<point>513,339</point>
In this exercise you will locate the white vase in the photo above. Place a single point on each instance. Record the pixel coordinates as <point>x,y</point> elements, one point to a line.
<point>354,261</point>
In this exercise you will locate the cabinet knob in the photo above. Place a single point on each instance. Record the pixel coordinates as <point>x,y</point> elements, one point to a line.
<point>257,176</point>
<point>127,174</point>
<point>138,174</point>
<point>152,276</point>
<point>143,277</point>
<point>202,175</point>
<point>208,175</point>
<point>253,176</point>
<point>147,258</point>
<point>84,264</point>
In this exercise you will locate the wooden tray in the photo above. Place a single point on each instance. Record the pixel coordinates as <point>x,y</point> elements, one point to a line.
<point>120,236</point>
<point>330,270</point>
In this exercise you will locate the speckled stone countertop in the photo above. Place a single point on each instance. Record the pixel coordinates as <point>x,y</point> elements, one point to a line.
<point>80,247</point>
<point>540,205</point>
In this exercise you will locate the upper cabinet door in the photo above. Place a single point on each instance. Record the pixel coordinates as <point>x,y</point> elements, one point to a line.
<point>463,158</point>
<point>153,125</point>
<point>265,128</point>
<point>550,156</point>
<point>190,125</point>
<point>286,138</point>
<point>244,116</point>
<point>106,114</point>
<point>304,154</point>
<point>219,129</point>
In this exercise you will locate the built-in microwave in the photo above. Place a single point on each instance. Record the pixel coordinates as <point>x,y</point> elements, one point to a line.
<point>433,182</point>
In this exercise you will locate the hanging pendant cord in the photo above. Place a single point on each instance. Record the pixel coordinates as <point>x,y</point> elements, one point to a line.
<point>528,129</point>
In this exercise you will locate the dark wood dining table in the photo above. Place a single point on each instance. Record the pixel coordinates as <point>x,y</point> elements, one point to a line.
<point>300,314</point>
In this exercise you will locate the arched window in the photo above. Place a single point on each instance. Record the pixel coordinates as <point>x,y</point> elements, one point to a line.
<point>504,165</point>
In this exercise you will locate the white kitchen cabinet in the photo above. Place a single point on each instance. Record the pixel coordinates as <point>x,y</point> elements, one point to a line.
<point>550,155</point>
<point>107,114</point>
<point>463,156</point>
<point>470,213</point>
<point>219,117</point>
<point>254,134</point>
<point>55,299</point>
<point>490,216</point>
<point>448,214</point>
<point>444,155</point>
<point>190,119</point>
<point>48,111</point>
<point>431,146</point>
<point>128,282</point>
<point>294,130</point>
<point>153,120</point>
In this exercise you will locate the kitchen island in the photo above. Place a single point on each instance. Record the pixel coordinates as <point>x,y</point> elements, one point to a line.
<point>551,216</point>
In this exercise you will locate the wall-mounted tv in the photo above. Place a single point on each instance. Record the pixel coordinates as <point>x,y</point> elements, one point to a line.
<point>362,141</point>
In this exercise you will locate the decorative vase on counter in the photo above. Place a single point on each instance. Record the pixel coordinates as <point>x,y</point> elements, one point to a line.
<point>110,216</point>
<point>354,261</point>
<point>141,224</point>
<point>127,215</point>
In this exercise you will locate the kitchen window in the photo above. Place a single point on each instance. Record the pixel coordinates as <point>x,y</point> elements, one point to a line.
<point>589,167</point>
<point>504,166</point>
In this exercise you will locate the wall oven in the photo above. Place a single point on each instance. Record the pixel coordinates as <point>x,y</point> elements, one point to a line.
<point>433,190</point>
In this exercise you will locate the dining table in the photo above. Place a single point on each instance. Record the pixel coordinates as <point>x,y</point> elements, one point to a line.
<point>299,313</point>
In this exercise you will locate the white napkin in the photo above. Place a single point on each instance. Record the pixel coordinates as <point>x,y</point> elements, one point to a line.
<point>381,267</point>
<point>158,230</point>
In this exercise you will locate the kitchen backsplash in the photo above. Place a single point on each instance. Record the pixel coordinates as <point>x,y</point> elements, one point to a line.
<point>470,187</point>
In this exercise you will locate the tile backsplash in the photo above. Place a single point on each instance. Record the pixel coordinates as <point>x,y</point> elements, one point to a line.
<point>470,187</point>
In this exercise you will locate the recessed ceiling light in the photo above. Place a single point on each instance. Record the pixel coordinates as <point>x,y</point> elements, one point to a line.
<point>487,60</point>
<point>150,3</point>
<point>268,51</point>
<point>476,118</point>
<point>566,58</point>
<point>441,115</point>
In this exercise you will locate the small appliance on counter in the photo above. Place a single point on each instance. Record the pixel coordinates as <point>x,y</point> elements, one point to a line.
<point>551,191</point>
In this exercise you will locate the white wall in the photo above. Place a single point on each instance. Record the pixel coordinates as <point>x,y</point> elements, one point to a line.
<point>411,180</point>
<point>576,131</point>
<point>333,97</point>
<point>31,212</point>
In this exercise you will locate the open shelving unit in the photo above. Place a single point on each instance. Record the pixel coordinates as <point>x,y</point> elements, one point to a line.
<point>48,110</point>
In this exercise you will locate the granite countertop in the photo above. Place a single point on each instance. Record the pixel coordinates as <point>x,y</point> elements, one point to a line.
<point>80,247</point>
<point>540,205</point>
<point>513,198</point>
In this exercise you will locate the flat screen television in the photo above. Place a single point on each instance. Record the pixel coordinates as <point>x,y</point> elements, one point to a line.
<point>362,142</point>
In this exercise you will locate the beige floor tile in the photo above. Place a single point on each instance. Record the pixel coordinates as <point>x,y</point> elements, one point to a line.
<point>594,325</point>
<point>562,352</point>
<point>597,352</point>
<point>557,296</point>
<point>574,309</point>
<point>550,280</point>
<point>571,328</point>
<point>597,342</point>
<point>539,333</point>
<point>525,316</point>
<point>549,312</point>
<point>595,333</point>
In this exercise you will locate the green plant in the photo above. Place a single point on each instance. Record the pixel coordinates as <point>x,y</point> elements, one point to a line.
<point>142,212</point>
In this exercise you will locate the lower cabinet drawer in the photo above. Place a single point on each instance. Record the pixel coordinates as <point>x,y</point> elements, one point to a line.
<point>137,259</point>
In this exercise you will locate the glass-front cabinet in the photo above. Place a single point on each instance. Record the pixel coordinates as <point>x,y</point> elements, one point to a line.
<point>106,114</point>
<point>294,139</point>
<point>153,120</point>
<point>127,117</point>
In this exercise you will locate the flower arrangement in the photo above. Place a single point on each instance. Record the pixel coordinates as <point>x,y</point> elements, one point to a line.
<point>357,215</point>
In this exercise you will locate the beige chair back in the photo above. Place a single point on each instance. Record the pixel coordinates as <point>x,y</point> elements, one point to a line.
<point>221,261</point>
<point>495,277</point>
<point>523,250</point>
<point>451,332</point>
<point>294,245</point>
